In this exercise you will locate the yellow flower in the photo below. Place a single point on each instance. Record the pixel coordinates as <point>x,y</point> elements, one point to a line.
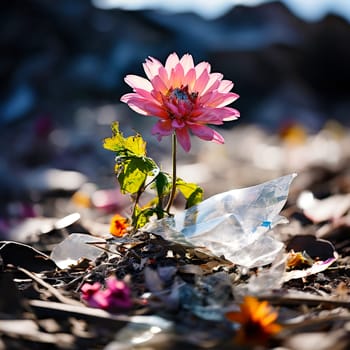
<point>298,259</point>
<point>257,321</point>
<point>119,225</point>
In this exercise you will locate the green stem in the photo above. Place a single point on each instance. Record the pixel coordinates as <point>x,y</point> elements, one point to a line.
<point>136,201</point>
<point>173,188</point>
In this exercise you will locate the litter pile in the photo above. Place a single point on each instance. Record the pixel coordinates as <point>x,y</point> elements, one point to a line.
<point>176,282</point>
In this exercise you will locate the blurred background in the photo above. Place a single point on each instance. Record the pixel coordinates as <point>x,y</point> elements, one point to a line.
<point>62,69</point>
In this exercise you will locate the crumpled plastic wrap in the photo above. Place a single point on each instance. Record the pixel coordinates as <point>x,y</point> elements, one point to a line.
<point>75,247</point>
<point>233,224</point>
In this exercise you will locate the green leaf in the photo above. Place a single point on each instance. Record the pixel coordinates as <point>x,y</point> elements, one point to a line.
<point>191,191</point>
<point>163,184</point>
<point>125,146</point>
<point>132,173</point>
<point>142,216</point>
<point>195,197</point>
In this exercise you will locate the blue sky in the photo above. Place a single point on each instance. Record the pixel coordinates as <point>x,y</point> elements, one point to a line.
<point>311,10</point>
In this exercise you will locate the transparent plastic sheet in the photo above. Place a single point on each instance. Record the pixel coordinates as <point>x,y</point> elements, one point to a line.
<point>141,333</point>
<point>263,282</point>
<point>234,224</point>
<point>75,247</point>
<point>209,296</point>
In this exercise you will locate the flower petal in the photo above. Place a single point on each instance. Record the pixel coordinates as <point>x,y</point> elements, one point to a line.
<point>163,75</point>
<point>221,100</point>
<point>159,85</point>
<point>206,133</point>
<point>187,62</point>
<point>145,94</point>
<point>225,86</point>
<point>215,115</point>
<point>171,62</point>
<point>218,138</point>
<point>236,316</point>
<point>231,114</point>
<point>162,128</point>
<point>202,66</point>
<point>143,106</point>
<point>177,123</point>
<point>151,67</point>
<point>183,137</point>
<point>269,318</point>
<point>136,81</point>
<point>177,76</point>
<point>261,311</point>
<point>190,79</point>
<point>213,82</point>
<point>201,82</point>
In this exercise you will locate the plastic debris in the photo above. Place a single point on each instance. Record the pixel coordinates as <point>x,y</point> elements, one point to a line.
<point>141,330</point>
<point>23,255</point>
<point>75,247</point>
<point>209,297</point>
<point>264,281</point>
<point>319,210</point>
<point>233,224</point>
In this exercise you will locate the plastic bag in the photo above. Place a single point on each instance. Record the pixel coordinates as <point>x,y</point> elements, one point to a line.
<point>233,224</point>
<point>75,247</point>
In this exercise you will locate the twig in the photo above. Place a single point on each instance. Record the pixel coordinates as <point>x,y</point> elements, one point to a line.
<point>312,323</point>
<point>57,310</point>
<point>51,289</point>
<point>310,301</point>
<point>96,244</point>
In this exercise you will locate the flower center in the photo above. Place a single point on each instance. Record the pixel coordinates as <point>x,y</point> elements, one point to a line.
<point>180,102</point>
<point>182,94</point>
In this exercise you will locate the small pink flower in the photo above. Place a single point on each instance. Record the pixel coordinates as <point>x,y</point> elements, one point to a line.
<point>93,295</point>
<point>115,297</point>
<point>118,294</point>
<point>184,97</point>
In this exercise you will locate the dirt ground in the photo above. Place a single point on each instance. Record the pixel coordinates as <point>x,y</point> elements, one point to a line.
<point>181,293</point>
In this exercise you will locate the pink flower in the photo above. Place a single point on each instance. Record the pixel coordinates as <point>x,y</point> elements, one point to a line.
<point>92,295</point>
<point>118,294</point>
<point>115,297</point>
<point>184,97</point>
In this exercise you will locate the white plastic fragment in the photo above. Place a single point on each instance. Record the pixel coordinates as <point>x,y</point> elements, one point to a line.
<point>318,210</point>
<point>233,224</point>
<point>264,281</point>
<point>75,247</point>
<point>141,330</point>
<point>66,221</point>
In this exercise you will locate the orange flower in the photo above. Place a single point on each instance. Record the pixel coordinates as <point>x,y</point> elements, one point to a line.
<point>298,259</point>
<point>119,225</point>
<point>257,321</point>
